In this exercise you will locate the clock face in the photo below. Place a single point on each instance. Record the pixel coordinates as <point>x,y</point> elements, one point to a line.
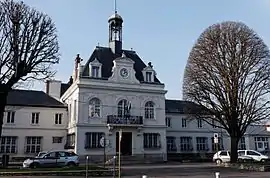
<point>124,72</point>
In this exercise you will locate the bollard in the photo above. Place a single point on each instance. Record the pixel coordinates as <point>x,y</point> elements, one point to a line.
<point>217,175</point>
<point>144,176</point>
<point>114,163</point>
<point>86,167</point>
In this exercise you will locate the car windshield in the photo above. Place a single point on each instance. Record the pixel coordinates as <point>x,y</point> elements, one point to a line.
<point>41,154</point>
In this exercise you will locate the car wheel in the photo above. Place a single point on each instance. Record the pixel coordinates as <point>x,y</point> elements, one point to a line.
<point>34,165</point>
<point>263,160</point>
<point>218,161</point>
<point>71,164</point>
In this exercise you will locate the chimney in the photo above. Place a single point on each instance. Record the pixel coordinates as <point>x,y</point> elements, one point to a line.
<point>77,62</point>
<point>53,88</point>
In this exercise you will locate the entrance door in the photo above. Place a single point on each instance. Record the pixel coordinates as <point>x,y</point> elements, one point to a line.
<point>126,143</point>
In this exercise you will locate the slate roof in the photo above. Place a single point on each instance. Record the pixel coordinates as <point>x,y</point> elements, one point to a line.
<point>32,98</point>
<point>105,56</point>
<point>183,107</point>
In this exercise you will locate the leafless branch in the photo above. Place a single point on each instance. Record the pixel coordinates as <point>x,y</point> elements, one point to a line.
<point>28,46</point>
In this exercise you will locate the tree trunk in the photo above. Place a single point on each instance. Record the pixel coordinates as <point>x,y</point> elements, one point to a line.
<point>3,102</point>
<point>234,148</point>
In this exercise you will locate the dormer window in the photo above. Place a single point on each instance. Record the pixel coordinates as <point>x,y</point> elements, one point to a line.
<point>95,69</point>
<point>148,76</point>
<point>149,73</point>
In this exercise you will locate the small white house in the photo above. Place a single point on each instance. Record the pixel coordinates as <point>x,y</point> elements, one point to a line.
<point>33,121</point>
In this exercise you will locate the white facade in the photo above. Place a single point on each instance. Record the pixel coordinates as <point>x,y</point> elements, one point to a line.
<point>90,121</point>
<point>28,130</point>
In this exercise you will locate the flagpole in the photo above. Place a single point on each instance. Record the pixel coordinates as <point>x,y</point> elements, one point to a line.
<point>119,153</point>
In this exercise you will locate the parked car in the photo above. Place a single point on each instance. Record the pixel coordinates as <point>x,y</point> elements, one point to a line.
<point>257,156</point>
<point>52,159</point>
<point>224,156</point>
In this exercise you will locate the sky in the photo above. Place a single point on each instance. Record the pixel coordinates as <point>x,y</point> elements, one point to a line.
<point>161,32</point>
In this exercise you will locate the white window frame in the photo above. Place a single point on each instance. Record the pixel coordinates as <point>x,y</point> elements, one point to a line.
<point>186,144</point>
<point>10,117</point>
<point>151,140</point>
<point>202,144</point>
<point>261,141</point>
<point>95,108</point>
<point>149,110</point>
<point>199,123</point>
<point>184,122</point>
<point>57,140</point>
<point>8,144</point>
<point>168,122</point>
<point>92,140</point>
<point>34,144</point>
<point>171,144</point>
<point>35,118</point>
<point>122,107</point>
<point>58,118</point>
<point>95,71</point>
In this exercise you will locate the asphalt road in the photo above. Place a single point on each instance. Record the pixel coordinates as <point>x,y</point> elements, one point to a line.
<point>198,170</point>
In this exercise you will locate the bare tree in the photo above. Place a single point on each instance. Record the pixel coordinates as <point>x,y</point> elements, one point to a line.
<point>228,72</point>
<point>28,47</point>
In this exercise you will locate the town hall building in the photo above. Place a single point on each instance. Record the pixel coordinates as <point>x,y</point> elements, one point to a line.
<point>116,95</point>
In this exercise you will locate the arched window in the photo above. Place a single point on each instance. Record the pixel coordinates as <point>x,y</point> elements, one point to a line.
<point>122,108</point>
<point>94,107</point>
<point>149,110</point>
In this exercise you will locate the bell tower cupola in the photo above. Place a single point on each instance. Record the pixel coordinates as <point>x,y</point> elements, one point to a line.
<point>115,32</point>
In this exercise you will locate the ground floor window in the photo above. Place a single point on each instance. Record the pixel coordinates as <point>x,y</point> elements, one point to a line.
<point>202,143</point>
<point>33,144</point>
<point>261,143</point>
<point>8,144</point>
<point>92,139</point>
<point>217,146</point>
<point>242,144</point>
<point>171,145</point>
<point>70,143</point>
<point>186,144</point>
<point>151,140</point>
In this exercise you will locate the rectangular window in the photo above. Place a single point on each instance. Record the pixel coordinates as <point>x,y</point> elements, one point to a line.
<point>95,71</point>
<point>217,146</point>
<point>35,118</point>
<point>92,139</point>
<point>70,143</point>
<point>8,144</point>
<point>171,145</point>
<point>261,143</point>
<point>184,123</point>
<point>151,140</point>
<point>186,144</point>
<point>33,144</point>
<point>202,144</point>
<point>148,76</point>
<point>74,110</point>
<point>10,117</point>
<point>58,118</point>
<point>199,123</point>
<point>57,139</point>
<point>242,144</point>
<point>168,121</point>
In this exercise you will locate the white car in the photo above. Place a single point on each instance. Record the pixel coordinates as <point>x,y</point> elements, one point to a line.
<point>257,156</point>
<point>224,157</point>
<point>52,159</point>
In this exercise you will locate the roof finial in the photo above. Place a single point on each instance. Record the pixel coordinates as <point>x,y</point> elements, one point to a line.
<point>115,8</point>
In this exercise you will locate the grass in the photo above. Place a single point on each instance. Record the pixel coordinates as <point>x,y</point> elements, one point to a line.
<point>57,169</point>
